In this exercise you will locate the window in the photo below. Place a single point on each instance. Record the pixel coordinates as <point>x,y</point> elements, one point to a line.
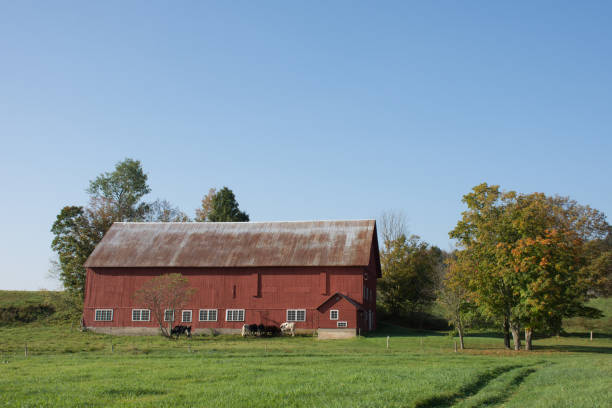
<point>296,315</point>
<point>186,316</point>
<point>140,315</point>
<point>342,324</point>
<point>234,315</point>
<point>168,315</point>
<point>333,315</point>
<point>208,315</point>
<point>104,315</point>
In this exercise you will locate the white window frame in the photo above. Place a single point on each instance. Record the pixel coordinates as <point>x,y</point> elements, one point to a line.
<point>140,319</point>
<point>102,311</point>
<point>331,314</point>
<point>296,311</point>
<point>341,324</point>
<point>207,313</point>
<point>183,316</point>
<point>166,315</point>
<point>239,312</point>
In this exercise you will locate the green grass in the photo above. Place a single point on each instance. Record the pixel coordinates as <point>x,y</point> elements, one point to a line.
<point>602,325</point>
<point>66,367</point>
<point>21,298</point>
<point>420,369</point>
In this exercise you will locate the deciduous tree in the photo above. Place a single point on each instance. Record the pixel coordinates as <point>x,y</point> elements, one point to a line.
<point>206,206</point>
<point>409,268</point>
<point>527,256</point>
<point>165,292</point>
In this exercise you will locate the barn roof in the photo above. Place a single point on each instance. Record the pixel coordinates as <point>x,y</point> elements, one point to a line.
<point>337,296</point>
<point>235,244</point>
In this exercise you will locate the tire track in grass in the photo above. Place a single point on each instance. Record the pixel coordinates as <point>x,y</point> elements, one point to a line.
<point>499,390</point>
<point>466,391</point>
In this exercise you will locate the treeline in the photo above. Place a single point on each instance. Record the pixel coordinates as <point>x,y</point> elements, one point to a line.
<point>524,262</point>
<point>118,196</point>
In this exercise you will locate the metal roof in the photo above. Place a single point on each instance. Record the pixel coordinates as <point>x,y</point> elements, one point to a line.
<point>339,295</point>
<point>235,244</point>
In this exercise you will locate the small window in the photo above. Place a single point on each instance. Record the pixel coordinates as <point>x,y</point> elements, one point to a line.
<point>168,315</point>
<point>140,315</point>
<point>333,315</point>
<point>104,315</point>
<point>208,315</point>
<point>186,316</point>
<point>234,315</point>
<point>296,315</point>
<point>342,324</point>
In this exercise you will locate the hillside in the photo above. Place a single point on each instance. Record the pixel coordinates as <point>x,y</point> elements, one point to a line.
<point>28,306</point>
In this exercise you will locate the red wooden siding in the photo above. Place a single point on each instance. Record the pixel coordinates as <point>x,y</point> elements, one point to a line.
<point>264,292</point>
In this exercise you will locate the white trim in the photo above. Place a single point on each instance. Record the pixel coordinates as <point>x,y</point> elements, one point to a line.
<point>208,313</point>
<point>331,312</point>
<point>165,312</point>
<point>341,324</point>
<point>102,311</point>
<point>296,311</point>
<point>239,315</point>
<point>140,313</point>
<point>183,316</point>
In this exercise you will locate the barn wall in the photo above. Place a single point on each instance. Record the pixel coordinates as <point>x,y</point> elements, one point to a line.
<point>346,313</point>
<point>372,272</point>
<point>264,293</point>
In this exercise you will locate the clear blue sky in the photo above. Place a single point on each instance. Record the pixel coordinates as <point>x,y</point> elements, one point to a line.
<point>307,110</point>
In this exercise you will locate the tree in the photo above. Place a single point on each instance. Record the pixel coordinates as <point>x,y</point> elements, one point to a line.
<point>392,224</point>
<point>408,274</point>
<point>165,292</point>
<point>224,208</point>
<point>454,298</point>
<point>164,211</point>
<point>74,241</point>
<point>123,188</point>
<point>114,196</point>
<point>521,249</point>
<point>206,207</point>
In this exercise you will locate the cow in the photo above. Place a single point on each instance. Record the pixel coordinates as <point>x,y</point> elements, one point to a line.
<point>178,330</point>
<point>288,327</point>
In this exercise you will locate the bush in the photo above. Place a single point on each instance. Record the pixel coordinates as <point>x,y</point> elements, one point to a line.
<point>25,314</point>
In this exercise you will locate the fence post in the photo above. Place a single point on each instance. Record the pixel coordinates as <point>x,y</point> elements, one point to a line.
<point>387,341</point>
<point>455,346</point>
<point>26,350</point>
<point>591,335</point>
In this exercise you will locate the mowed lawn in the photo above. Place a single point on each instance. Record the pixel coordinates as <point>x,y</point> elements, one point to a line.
<point>68,368</point>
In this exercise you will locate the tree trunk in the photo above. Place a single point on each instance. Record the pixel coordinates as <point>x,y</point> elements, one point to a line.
<point>528,334</point>
<point>460,330</point>
<point>507,332</point>
<point>516,336</point>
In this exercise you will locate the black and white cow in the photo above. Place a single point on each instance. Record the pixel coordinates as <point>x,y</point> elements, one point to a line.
<point>178,330</point>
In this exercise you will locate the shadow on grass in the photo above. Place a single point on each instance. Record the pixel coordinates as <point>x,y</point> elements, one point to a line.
<point>466,391</point>
<point>389,329</point>
<point>584,335</point>
<point>575,349</point>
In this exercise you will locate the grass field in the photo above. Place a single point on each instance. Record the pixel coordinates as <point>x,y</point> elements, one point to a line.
<point>68,368</point>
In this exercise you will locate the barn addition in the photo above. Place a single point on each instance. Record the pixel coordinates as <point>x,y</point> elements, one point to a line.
<point>319,274</point>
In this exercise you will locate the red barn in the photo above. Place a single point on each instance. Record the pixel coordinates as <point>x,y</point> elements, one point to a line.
<point>320,274</point>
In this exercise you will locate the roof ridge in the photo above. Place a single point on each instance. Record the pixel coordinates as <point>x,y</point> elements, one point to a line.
<point>236,222</point>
